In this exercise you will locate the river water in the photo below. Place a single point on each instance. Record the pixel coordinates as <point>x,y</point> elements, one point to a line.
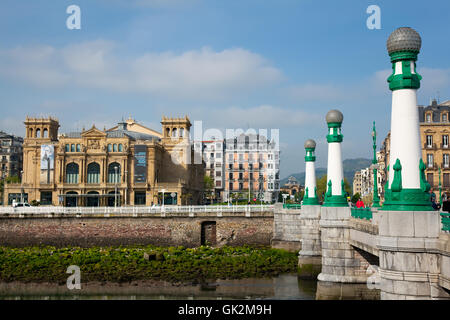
<point>287,286</point>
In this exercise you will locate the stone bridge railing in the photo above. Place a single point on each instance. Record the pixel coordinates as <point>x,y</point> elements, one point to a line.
<point>191,211</point>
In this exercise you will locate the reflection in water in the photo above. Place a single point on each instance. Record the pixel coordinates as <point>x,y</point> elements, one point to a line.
<point>345,291</point>
<point>286,286</point>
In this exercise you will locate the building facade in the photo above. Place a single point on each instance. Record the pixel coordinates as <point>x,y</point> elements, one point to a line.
<point>213,156</point>
<point>11,154</point>
<point>125,165</point>
<point>252,168</point>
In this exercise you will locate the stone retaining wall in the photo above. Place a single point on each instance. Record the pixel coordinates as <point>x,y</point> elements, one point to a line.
<point>93,230</point>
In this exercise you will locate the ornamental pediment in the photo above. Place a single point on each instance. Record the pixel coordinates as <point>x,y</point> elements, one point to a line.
<point>93,132</point>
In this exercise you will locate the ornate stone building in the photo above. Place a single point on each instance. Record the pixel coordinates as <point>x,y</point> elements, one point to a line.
<point>128,164</point>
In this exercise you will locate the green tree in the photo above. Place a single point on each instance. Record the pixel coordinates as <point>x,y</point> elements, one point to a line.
<point>356,197</point>
<point>208,184</point>
<point>11,179</point>
<point>322,186</point>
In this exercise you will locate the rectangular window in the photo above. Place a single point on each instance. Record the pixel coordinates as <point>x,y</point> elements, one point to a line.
<point>139,198</point>
<point>46,198</point>
<point>218,173</point>
<point>17,197</point>
<point>446,179</point>
<point>429,141</point>
<point>218,184</point>
<point>445,141</point>
<point>446,161</point>
<point>429,160</point>
<point>430,179</point>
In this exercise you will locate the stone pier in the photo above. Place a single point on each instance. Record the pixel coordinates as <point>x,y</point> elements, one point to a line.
<point>340,261</point>
<point>412,255</point>
<point>310,255</point>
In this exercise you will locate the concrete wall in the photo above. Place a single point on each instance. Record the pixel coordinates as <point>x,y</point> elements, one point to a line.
<point>91,230</point>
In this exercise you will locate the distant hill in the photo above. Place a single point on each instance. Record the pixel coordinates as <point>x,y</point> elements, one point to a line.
<point>350,167</point>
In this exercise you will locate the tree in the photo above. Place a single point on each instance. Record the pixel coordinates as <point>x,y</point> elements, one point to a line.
<point>208,184</point>
<point>7,180</point>
<point>356,197</point>
<point>322,186</point>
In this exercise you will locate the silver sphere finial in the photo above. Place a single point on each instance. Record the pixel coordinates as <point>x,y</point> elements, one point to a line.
<point>334,116</point>
<point>404,39</point>
<point>310,144</point>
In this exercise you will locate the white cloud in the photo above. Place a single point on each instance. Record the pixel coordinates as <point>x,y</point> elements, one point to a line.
<point>314,92</point>
<point>198,74</point>
<point>434,81</point>
<point>258,117</point>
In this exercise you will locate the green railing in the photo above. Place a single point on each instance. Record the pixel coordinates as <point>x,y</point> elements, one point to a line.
<point>362,213</point>
<point>291,206</point>
<point>445,218</point>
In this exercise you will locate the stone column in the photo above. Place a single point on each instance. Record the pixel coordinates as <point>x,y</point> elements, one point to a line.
<point>409,229</point>
<point>309,257</point>
<point>340,262</point>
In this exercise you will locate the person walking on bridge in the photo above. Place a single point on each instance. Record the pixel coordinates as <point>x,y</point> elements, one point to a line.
<point>359,204</point>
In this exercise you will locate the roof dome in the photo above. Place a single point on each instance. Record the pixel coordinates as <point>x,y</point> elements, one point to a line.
<point>404,39</point>
<point>334,116</point>
<point>310,144</point>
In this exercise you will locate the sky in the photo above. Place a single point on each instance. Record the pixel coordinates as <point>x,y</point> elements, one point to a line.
<point>231,64</point>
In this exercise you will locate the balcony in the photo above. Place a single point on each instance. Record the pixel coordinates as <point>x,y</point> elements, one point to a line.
<point>430,146</point>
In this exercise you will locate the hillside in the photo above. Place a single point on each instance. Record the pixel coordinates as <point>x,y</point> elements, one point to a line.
<point>350,167</point>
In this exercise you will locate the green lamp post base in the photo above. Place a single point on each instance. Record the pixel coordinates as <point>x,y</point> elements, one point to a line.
<point>310,201</point>
<point>335,201</point>
<point>407,200</point>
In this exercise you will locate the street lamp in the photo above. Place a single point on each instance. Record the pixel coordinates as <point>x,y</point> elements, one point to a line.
<point>163,190</point>
<point>440,188</point>
<point>376,199</point>
<point>115,187</point>
<point>21,186</point>
<point>126,187</point>
<point>284,195</point>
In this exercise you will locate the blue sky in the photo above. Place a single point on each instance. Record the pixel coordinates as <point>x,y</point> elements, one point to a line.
<point>232,64</point>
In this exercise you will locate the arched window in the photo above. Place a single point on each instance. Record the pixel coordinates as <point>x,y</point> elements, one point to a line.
<point>93,173</point>
<point>38,133</point>
<point>114,173</point>
<point>45,133</point>
<point>115,147</point>
<point>72,148</point>
<point>168,132</point>
<point>67,148</point>
<point>174,132</point>
<point>30,133</point>
<point>109,147</point>
<point>444,117</point>
<point>72,170</point>
<point>78,148</point>
<point>120,147</point>
<point>181,132</point>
